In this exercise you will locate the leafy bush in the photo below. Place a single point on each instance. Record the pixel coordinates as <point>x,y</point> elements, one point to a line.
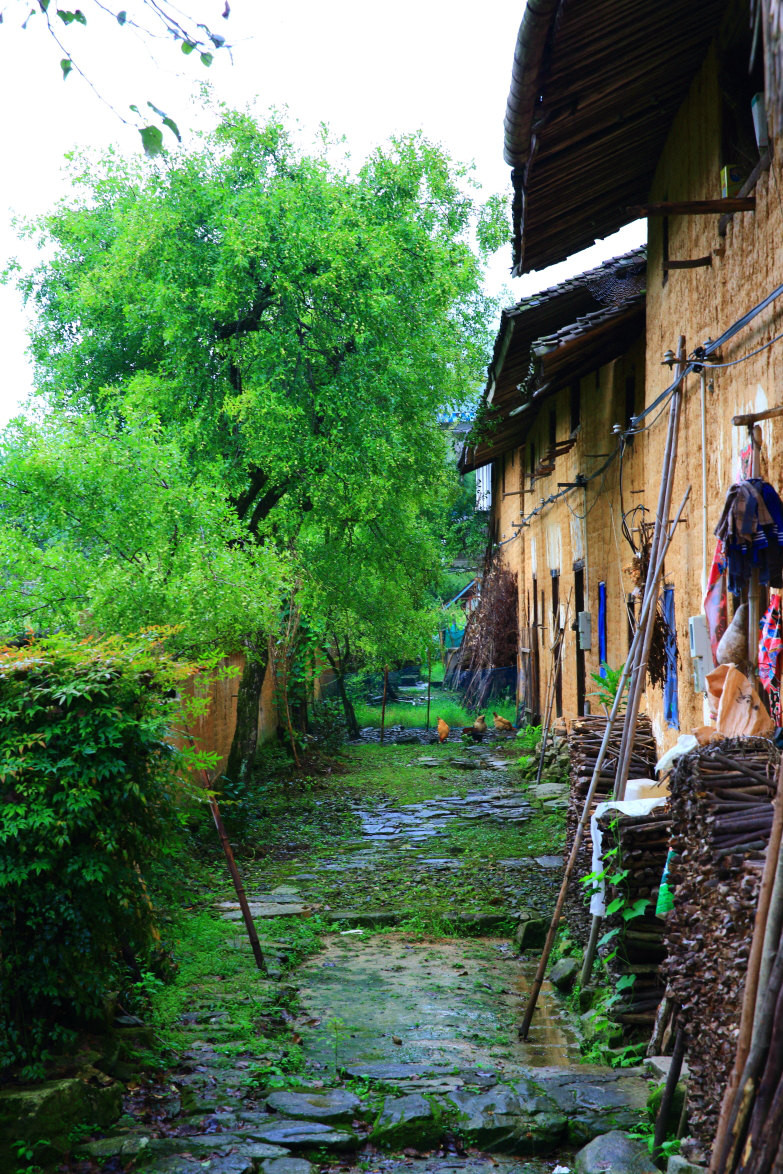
<point>528,737</point>
<point>89,794</point>
<point>328,725</point>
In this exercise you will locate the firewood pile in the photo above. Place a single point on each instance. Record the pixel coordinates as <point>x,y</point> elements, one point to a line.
<point>584,743</point>
<point>638,949</point>
<point>721,808</point>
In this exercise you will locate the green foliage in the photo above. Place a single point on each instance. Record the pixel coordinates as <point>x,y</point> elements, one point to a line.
<point>528,737</point>
<point>287,327</point>
<point>608,684</point>
<point>89,794</point>
<point>328,726</point>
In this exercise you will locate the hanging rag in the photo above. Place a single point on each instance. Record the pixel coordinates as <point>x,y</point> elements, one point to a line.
<point>751,529</point>
<point>770,646</point>
<point>602,642</point>
<point>716,599</point>
<point>671,710</point>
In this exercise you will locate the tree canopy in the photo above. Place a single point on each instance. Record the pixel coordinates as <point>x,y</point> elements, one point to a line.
<point>248,341</point>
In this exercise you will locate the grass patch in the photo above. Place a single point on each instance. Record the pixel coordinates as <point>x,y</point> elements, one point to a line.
<point>412,714</point>
<point>216,976</point>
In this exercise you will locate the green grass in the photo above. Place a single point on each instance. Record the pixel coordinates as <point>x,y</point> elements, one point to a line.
<point>444,705</point>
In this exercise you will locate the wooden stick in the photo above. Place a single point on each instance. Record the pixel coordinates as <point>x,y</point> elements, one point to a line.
<point>651,587</point>
<point>673,1076</point>
<point>383,706</point>
<point>695,207</point>
<point>754,417</point>
<point>239,888</point>
<point>569,868</point>
<point>429,683</point>
<point>746,1032</point>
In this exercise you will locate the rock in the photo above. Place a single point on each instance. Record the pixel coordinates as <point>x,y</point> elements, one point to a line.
<point>336,1105</point>
<point>548,791</point>
<point>658,1067</point>
<point>270,909</point>
<point>509,1120</point>
<point>298,1134</point>
<point>594,1102</point>
<point>226,1164</point>
<point>530,933</point>
<point>679,1165</point>
<point>286,1166</point>
<point>563,973</point>
<point>45,1114</point>
<point>549,861</point>
<point>407,1121</point>
<point>465,763</point>
<point>614,1153</point>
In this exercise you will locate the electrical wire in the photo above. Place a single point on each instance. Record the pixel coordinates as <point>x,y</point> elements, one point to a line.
<point>743,358</point>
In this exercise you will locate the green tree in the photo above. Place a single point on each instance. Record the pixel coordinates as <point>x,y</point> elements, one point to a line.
<point>293,324</point>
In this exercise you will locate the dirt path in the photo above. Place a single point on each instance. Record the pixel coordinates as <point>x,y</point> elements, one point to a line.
<point>402,1047</point>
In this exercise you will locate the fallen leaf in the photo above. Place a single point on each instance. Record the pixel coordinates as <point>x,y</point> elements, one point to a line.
<point>396,1039</point>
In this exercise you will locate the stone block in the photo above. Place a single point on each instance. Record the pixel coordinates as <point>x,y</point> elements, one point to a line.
<point>614,1153</point>
<point>407,1121</point>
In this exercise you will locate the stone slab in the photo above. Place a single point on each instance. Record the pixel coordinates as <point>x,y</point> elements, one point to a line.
<point>335,1104</point>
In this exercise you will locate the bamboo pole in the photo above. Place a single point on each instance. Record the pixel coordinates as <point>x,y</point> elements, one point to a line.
<point>239,888</point>
<point>550,939</point>
<point>754,431</point>
<point>429,683</point>
<point>638,678</point>
<point>383,706</point>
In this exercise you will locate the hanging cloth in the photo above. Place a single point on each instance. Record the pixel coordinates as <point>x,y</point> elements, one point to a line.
<point>770,646</point>
<point>671,709</point>
<point>602,628</point>
<point>716,599</point>
<point>751,529</point>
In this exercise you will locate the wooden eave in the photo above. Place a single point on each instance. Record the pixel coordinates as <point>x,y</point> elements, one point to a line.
<point>584,141</point>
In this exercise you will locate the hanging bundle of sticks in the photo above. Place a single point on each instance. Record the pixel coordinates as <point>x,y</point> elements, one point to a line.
<point>491,633</point>
<point>642,842</point>
<point>584,743</point>
<point>722,812</point>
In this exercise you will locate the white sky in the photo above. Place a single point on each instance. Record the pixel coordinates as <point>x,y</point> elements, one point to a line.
<point>367,70</point>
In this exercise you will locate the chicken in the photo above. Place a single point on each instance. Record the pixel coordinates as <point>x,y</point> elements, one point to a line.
<point>502,723</point>
<point>443,730</point>
<point>480,725</point>
<point>472,732</point>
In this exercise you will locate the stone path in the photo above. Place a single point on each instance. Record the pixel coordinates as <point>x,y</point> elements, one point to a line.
<point>410,1059</point>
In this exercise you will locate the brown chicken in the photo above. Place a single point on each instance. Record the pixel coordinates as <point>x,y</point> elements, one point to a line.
<point>480,725</point>
<point>443,730</point>
<point>502,723</point>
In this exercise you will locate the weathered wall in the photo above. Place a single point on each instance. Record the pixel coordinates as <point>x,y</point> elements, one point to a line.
<point>581,527</point>
<point>215,730</point>
<point>701,303</point>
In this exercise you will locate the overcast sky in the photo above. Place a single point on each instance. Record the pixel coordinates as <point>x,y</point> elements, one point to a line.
<point>367,70</point>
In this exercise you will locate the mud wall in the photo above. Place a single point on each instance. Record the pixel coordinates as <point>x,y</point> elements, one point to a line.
<point>746,265</point>
<point>578,533</point>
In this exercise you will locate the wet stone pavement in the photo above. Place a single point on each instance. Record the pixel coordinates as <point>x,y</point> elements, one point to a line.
<point>411,1059</point>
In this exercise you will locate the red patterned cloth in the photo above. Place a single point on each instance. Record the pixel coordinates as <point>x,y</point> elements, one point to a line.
<point>716,599</point>
<point>770,646</point>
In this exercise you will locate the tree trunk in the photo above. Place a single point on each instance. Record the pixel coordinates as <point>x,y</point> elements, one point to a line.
<point>239,768</point>
<point>338,668</point>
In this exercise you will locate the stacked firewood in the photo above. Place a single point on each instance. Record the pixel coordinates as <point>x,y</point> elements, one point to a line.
<point>721,807</point>
<point>584,742</point>
<point>638,949</point>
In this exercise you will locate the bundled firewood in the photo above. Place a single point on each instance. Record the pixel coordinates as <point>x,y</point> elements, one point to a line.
<point>721,809</point>
<point>638,949</point>
<point>584,743</point>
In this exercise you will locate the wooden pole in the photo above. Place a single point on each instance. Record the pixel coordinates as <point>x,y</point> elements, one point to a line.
<point>557,660</point>
<point>239,888</point>
<point>383,706</point>
<point>754,431</point>
<point>569,868</point>
<point>429,683</point>
<point>638,678</point>
<point>672,1078</point>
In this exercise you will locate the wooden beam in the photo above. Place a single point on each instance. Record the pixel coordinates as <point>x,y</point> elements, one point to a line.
<point>695,207</point>
<point>694,263</point>
<point>753,417</point>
